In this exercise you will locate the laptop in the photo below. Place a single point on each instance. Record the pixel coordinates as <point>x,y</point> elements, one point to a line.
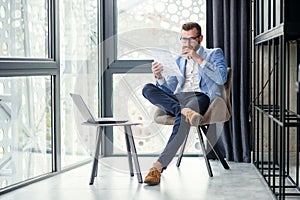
<point>87,115</point>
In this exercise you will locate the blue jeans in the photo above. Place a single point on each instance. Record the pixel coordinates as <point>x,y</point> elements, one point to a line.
<point>173,104</point>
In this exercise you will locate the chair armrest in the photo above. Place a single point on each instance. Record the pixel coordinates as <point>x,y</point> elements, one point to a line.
<point>217,112</point>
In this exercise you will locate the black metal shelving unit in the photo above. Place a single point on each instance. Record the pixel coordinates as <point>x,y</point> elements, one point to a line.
<point>275,114</point>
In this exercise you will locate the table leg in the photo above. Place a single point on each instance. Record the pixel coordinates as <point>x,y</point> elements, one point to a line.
<point>134,154</point>
<point>96,155</point>
<point>128,152</point>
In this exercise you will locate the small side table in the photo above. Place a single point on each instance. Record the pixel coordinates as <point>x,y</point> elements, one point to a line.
<point>131,150</point>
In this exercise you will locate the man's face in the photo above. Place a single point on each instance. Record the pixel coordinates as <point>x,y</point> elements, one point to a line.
<point>190,38</point>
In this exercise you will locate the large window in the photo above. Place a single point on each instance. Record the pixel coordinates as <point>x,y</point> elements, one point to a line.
<point>26,88</point>
<point>42,59</point>
<point>79,74</point>
<point>144,24</point>
<point>25,128</point>
<point>24,29</point>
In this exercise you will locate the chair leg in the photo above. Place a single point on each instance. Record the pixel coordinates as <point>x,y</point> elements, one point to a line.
<point>181,152</point>
<point>204,152</point>
<point>129,153</point>
<point>134,153</point>
<point>96,156</point>
<point>221,158</point>
<point>215,150</point>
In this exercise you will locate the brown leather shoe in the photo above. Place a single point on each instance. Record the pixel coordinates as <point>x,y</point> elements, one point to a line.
<point>153,177</point>
<point>193,117</point>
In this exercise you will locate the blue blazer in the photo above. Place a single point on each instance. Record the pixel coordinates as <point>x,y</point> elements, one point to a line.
<point>212,76</point>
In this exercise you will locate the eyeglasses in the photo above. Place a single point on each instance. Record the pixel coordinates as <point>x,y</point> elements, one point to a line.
<point>191,39</point>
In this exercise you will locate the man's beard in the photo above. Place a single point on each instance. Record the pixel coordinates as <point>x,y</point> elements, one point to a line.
<point>197,47</point>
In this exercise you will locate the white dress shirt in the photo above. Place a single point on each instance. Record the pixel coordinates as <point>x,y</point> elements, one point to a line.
<point>191,83</point>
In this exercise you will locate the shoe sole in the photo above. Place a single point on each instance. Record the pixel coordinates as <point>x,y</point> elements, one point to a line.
<point>151,183</point>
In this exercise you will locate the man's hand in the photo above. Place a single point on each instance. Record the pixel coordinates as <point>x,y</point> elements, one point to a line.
<point>189,53</point>
<point>157,68</point>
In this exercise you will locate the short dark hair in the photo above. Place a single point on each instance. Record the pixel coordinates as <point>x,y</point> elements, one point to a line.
<point>190,25</point>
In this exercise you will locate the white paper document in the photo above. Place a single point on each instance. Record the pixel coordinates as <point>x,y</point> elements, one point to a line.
<point>167,60</point>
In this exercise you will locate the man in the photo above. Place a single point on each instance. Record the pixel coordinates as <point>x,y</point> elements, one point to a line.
<point>186,97</point>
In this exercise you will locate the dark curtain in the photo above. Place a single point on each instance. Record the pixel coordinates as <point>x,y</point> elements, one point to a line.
<point>228,27</point>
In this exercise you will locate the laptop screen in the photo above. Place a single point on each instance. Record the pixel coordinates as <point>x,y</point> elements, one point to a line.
<point>82,107</point>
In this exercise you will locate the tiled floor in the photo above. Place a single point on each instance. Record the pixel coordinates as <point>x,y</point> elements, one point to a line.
<point>188,182</point>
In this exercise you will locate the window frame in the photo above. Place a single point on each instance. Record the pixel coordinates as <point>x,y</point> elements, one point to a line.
<point>14,66</point>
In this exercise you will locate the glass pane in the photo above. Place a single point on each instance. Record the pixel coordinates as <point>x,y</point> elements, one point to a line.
<point>24,29</point>
<point>129,103</point>
<point>143,24</point>
<point>25,128</point>
<point>79,74</point>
